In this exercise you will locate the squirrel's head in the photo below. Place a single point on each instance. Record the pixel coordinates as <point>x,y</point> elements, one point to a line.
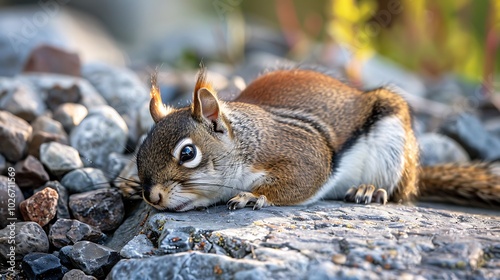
<point>181,164</point>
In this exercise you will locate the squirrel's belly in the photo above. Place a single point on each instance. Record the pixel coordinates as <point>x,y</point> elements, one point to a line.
<point>376,158</point>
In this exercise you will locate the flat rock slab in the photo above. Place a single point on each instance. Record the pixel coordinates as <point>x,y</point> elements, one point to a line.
<point>326,240</point>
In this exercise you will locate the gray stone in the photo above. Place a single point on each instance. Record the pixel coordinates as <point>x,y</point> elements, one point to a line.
<point>46,124</point>
<point>59,159</point>
<point>176,240</point>
<point>15,134</point>
<point>29,237</point>
<point>43,82</point>
<point>84,180</point>
<point>115,164</point>
<point>64,254</point>
<point>30,173</point>
<point>101,208</point>
<point>121,87</point>
<point>62,201</point>
<point>438,149</point>
<point>304,242</point>
<point>139,247</point>
<point>93,259</point>
<point>70,115</point>
<point>19,98</point>
<point>67,232</point>
<point>468,131</point>
<point>7,190</point>
<point>42,266</point>
<point>76,274</point>
<point>123,91</point>
<point>102,132</point>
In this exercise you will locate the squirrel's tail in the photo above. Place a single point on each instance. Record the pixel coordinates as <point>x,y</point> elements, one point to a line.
<point>471,184</point>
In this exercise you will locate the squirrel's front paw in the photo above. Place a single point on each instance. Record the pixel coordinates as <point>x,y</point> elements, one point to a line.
<point>247,199</point>
<point>366,194</point>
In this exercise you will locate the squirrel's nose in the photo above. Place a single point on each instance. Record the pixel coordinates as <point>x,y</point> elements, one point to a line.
<point>146,194</point>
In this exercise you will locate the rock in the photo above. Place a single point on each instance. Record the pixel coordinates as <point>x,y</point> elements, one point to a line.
<point>59,159</point>
<point>44,82</point>
<point>15,134</point>
<point>101,208</point>
<point>102,132</point>
<point>326,239</point>
<point>123,91</point>
<point>51,59</point>
<point>3,164</point>
<point>42,266</point>
<point>176,240</point>
<point>68,232</point>
<point>62,201</point>
<point>70,115</point>
<point>121,87</point>
<point>6,192</point>
<point>139,247</point>
<point>93,259</point>
<point>468,131</point>
<point>84,180</point>
<point>76,274</point>
<point>29,237</point>
<point>197,265</point>
<point>58,95</point>
<point>30,173</point>
<point>145,120</point>
<point>41,137</point>
<point>41,207</point>
<point>115,164</point>
<point>20,99</point>
<point>63,255</point>
<point>438,149</point>
<point>48,125</point>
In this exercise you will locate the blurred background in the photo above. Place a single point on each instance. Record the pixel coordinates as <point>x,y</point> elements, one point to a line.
<point>442,54</point>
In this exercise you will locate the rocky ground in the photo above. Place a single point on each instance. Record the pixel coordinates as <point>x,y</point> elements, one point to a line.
<point>68,134</point>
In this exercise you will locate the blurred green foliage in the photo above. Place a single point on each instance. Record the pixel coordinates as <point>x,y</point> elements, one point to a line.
<point>430,37</point>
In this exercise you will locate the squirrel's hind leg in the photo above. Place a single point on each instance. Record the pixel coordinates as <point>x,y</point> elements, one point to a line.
<point>365,194</point>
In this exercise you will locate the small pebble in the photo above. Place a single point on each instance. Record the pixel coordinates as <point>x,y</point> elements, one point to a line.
<point>84,180</point>
<point>15,134</point>
<point>59,159</point>
<point>67,232</point>
<point>93,259</point>
<point>41,207</point>
<point>42,266</point>
<point>30,173</point>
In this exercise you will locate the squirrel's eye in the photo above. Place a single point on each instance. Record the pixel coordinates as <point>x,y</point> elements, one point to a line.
<point>188,153</point>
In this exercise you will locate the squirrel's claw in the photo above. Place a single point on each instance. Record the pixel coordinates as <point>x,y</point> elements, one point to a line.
<point>365,194</point>
<point>244,199</point>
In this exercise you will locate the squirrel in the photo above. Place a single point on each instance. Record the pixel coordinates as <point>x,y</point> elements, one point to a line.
<point>292,137</point>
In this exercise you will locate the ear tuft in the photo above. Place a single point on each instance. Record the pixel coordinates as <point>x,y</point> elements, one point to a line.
<point>205,105</point>
<point>157,109</point>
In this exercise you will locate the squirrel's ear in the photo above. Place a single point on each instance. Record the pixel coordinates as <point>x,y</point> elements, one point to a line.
<point>205,105</point>
<point>157,109</point>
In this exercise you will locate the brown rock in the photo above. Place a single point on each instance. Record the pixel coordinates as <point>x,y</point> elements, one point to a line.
<point>30,173</point>
<point>15,134</point>
<point>59,95</point>
<point>41,207</point>
<point>41,137</point>
<point>51,59</point>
